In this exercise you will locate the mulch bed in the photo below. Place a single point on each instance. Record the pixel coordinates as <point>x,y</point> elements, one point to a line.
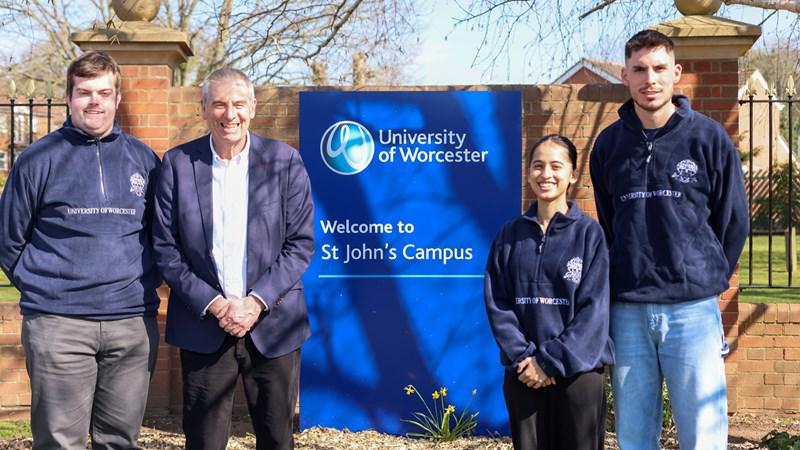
<point>746,431</point>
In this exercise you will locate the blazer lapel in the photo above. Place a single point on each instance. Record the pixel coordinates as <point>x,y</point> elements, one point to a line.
<point>202,178</point>
<point>255,180</point>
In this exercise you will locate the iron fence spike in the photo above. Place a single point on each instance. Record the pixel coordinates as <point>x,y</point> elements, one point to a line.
<point>751,90</point>
<point>49,92</point>
<point>790,89</point>
<point>12,90</point>
<point>30,88</point>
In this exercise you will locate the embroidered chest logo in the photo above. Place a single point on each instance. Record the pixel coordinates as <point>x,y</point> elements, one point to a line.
<point>574,269</point>
<point>685,171</point>
<point>137,184</point>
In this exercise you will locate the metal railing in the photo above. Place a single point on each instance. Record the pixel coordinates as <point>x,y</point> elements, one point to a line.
<point>772,193</point>
<point>12,110</point>
<point>20,122</point>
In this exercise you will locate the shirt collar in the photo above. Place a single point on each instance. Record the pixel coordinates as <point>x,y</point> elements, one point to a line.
<point>243,155</point>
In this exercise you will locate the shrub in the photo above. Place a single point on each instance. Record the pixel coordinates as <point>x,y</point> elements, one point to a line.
<point>775,440</point>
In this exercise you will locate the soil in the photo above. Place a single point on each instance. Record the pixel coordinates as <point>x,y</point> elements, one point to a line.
<point>745,432</point>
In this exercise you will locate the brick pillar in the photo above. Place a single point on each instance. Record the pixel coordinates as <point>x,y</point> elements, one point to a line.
<point>148,56</point>
<point>709,48</point>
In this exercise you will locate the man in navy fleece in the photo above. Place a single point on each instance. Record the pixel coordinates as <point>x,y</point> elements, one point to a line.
<point>74,241</point>
<point>670,196</point>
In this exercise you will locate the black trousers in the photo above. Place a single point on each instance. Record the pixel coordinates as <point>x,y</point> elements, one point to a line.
<point>209,383</point>
<point>570,415</point>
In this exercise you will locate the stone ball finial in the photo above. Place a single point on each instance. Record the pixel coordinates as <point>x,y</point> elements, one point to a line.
<point>136,10</point>
<point>698,7</point>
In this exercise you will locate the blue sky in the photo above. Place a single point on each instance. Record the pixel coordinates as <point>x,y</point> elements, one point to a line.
<point>446,53</point>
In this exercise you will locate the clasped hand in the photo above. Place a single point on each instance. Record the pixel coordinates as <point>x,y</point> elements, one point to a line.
<point>531,374</point>
<point>236,315</point>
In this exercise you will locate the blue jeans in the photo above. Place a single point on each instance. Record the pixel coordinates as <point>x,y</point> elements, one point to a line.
<point>680,343</point>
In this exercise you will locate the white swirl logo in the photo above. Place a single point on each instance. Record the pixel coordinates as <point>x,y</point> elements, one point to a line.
<point>347,147</point>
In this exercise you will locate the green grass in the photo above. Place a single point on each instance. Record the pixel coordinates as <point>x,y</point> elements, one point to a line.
<point>7,294</point>
<point>780,276</point>
<point>10,429</point>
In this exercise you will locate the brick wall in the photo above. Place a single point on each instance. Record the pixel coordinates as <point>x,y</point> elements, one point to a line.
<point>767,360</point>
<point>143,111</point>
<point>768,357</point>
<point>15,392</point>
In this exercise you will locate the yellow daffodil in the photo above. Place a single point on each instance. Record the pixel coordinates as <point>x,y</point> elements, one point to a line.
<point>440,421</point>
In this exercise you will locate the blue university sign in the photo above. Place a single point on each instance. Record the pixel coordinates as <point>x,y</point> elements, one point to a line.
<point>410,189</point>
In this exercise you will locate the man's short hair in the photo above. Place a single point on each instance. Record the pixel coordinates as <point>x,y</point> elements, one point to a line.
<point>648,39</point>
<point>92,65</point>
<point>227,73</point>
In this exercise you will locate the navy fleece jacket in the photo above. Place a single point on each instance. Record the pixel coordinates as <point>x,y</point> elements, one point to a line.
<point>74,226</point>
<point>673,208</point>
<point>547,295</point>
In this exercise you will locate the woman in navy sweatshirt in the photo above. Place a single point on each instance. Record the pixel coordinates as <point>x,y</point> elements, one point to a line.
<point>546,293</point>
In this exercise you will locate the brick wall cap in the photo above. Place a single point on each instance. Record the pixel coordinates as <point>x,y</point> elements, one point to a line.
<point>133,32</point>
<point>707,26</point>
<point>137,43</point>
<point>709,37</point>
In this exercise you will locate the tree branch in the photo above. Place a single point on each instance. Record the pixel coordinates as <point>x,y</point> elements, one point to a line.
<point>598,7</point>
<point>780,5</point>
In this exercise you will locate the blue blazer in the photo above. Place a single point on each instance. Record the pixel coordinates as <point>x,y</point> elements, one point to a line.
<point>280,242</point>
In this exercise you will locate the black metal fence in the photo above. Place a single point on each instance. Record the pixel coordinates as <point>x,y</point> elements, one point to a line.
<point>772,168</point>
<point>20,123</point>
<point>23,122</point>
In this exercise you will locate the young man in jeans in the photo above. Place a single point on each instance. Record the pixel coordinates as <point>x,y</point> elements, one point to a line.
<point>670,196</point>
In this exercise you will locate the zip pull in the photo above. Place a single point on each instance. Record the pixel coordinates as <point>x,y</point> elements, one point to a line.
<point>649,152</point>
<point>541,244</point>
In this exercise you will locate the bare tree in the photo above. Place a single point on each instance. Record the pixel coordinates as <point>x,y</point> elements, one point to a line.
<point>274,41</point>
<point>577,28</point>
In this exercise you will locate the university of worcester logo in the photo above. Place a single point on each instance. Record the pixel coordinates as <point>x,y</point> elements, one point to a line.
<point>137,184</point>
<point>685,171</point>
<point>347,147</point>
<point>574,269</point>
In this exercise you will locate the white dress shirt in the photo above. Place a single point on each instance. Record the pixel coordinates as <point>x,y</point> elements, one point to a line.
<point>229,198</point>
<point>229,201</point>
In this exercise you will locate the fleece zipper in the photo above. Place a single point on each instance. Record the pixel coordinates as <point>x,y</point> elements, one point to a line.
<point>542,245</point>
<point>100,168</point>
<point>650,146</point>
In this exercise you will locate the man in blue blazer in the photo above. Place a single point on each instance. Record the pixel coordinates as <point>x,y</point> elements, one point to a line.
<point>233,231</point>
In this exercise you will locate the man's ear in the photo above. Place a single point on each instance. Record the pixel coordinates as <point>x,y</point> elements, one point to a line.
<point>678,70</point>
